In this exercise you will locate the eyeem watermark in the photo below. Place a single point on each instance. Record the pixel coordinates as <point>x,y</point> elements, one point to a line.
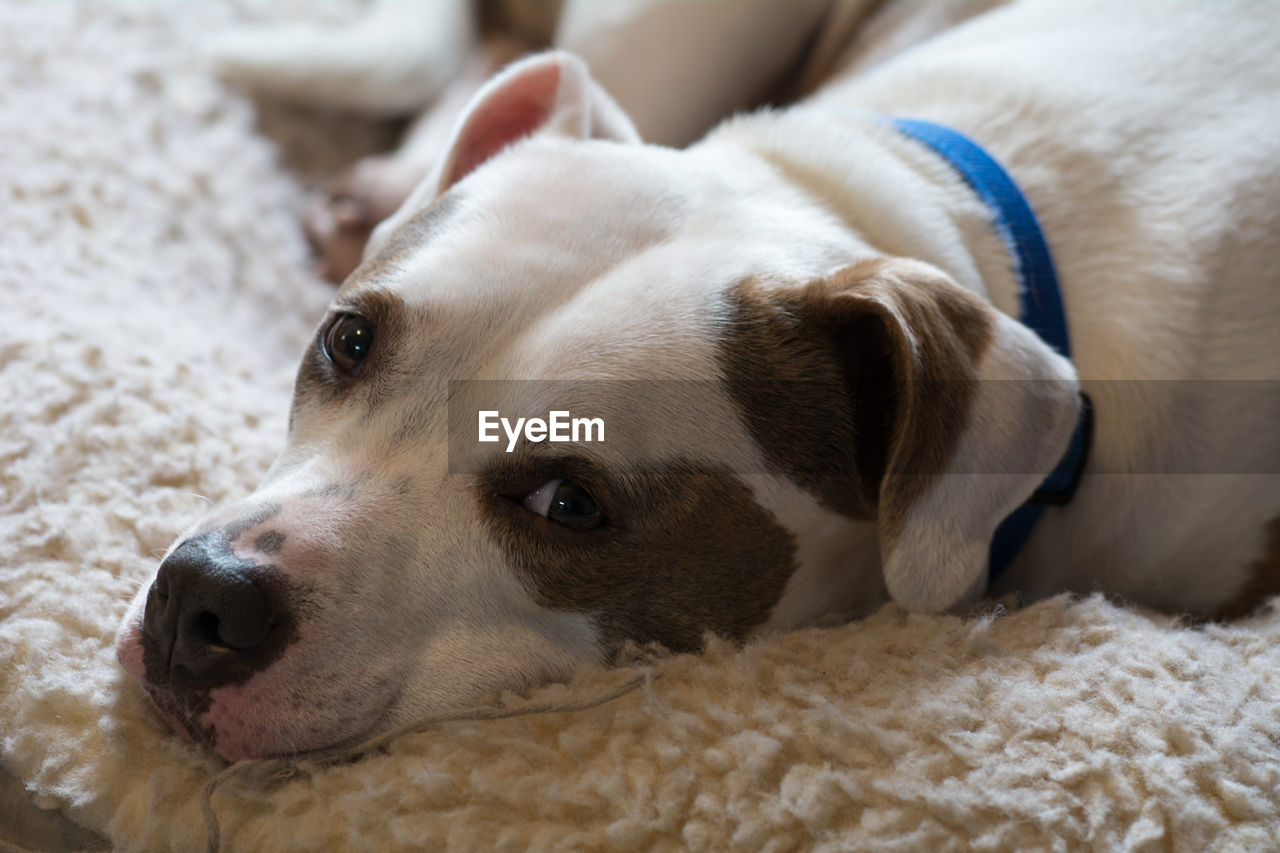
<point>559,426</point>
<point>653,420</point>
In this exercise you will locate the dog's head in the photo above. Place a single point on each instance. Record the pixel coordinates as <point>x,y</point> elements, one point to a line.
<point>787,425</point>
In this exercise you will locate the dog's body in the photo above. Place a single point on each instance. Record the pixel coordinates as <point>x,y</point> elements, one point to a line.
<point>809,272</point>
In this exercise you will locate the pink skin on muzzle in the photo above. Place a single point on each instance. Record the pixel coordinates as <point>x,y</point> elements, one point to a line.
<point>290,705</point>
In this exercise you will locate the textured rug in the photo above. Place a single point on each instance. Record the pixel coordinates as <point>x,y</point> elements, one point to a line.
<point>154,296</point>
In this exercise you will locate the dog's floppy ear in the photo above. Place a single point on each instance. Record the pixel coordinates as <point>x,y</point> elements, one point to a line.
<point>550,92</point>
<point>956,413</point>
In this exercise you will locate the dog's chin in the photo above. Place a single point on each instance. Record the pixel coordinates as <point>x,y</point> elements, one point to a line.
<point>230,724</point>
<point>241,740</point>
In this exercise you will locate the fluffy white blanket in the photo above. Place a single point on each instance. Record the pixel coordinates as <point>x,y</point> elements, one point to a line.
<point>154,296</point>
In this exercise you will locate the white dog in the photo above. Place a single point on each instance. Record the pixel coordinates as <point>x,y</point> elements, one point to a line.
<point>799,337</point>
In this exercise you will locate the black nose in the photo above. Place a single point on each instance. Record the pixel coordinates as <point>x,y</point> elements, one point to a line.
<point>212,618</point>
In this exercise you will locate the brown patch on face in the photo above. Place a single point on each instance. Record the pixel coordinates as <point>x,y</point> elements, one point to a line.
<point>857,386</point>
<point>320,380</point>
<point>1264,582</point>
<point>270,542</point>
<point>791,391</point>
<point>403,242</point>
<point>684,551</point>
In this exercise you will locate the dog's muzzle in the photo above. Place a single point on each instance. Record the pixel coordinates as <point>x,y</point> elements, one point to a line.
<point>212,618</point>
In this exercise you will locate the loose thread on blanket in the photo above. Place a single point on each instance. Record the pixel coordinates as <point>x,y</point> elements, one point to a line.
<point>266,771</point>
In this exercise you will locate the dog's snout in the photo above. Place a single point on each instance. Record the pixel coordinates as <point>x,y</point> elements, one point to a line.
<point>211,618</point>
<point>210,602</point>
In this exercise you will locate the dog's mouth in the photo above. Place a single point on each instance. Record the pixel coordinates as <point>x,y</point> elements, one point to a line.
<point>184,712</point>
<point>180,716</point>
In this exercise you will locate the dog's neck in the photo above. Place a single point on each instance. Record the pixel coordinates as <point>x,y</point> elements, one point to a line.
<point>896,197</point>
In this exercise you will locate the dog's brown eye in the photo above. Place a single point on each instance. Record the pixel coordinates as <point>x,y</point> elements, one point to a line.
<point>348,341</point>
<point>565,503</point>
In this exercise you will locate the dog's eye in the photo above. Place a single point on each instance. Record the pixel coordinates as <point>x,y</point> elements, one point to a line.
<point>565,503</point>
<point>347,342</point>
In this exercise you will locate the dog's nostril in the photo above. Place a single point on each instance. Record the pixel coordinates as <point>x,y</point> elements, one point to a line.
<point>236,630</point>
<point>204,628</point>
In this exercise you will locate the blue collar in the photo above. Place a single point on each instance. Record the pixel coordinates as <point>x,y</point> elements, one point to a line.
<point>1040,309</point>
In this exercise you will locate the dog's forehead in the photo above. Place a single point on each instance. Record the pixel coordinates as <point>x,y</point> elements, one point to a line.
<point>529,227</point>
<point>557,245</point>
<point>488,266</point>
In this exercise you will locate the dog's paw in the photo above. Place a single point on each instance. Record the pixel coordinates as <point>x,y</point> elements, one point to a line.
<point>338,222</point>
<point>337,228</point>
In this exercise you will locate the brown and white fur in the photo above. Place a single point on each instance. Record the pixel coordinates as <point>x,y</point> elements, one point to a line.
<point>867,409</point>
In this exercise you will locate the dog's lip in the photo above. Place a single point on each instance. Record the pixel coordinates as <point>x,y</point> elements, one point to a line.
<point>350,747</point>
<point>167,704</point>
<point>383,723</point>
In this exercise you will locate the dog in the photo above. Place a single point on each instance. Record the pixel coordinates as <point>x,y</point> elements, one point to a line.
<point>800,337</point>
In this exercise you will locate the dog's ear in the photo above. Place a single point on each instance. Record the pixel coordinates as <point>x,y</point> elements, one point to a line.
<point>956,413</point>
<point>550,92</point>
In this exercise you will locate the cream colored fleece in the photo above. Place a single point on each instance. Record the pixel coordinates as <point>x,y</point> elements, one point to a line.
<point>154,296</point>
